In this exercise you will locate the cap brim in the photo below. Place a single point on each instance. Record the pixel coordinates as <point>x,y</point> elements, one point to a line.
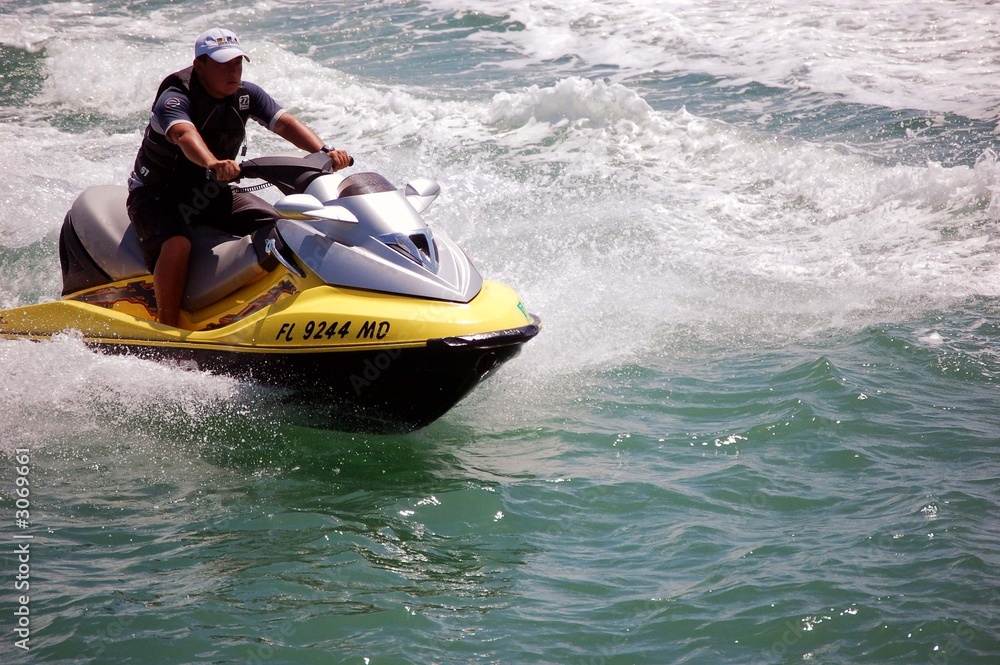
<point>227,54</point>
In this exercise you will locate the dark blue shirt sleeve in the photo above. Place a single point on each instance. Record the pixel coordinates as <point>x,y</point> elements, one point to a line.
<point>171,107</point>
<point>263,108</point>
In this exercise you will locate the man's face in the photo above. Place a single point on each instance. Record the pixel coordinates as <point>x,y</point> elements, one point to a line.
<point>220,79</point>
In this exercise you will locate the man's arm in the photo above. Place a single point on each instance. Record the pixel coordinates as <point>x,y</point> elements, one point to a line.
<point>186,136</point>
<point>293,130</point>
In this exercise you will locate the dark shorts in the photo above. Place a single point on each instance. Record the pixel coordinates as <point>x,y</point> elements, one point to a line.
<point>159,214</point>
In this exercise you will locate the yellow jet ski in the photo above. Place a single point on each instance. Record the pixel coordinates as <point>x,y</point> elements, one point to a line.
<point>349,300</point>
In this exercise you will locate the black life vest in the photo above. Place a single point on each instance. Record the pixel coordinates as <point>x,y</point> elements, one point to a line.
<point>221,123</point>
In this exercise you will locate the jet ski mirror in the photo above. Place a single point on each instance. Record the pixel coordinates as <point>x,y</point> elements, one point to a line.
<point>297,206</point>
<point>421,193</point>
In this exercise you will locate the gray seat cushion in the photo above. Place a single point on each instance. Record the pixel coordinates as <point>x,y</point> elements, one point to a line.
<point>102,225</point>
<point>220,263</point>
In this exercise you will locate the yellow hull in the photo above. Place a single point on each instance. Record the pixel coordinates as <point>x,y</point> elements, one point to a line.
<point>380,362</point>
<point>318,317</point>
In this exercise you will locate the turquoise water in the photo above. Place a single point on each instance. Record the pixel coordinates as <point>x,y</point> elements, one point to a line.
<point>759,426</point>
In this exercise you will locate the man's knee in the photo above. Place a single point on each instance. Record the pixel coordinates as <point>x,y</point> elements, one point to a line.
<point>175,248</point>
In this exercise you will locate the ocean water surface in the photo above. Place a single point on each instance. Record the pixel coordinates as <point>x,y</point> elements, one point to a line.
<point>759,426</point>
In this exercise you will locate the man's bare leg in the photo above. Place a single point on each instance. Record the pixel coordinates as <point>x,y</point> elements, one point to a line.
<point>170,278</point>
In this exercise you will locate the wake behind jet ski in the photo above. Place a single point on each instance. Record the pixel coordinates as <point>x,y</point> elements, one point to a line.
<point>349,301</point>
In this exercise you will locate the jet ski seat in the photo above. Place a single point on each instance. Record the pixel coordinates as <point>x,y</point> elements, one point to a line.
<point>98,245</point>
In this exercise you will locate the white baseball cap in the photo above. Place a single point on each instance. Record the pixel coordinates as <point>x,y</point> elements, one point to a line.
<point>220,45</point>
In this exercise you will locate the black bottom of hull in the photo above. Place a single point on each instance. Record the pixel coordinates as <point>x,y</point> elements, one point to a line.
<point>378,391</point>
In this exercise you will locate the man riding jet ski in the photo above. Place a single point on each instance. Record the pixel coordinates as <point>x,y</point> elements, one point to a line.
<point>198,124</point>
<point>344,297</point>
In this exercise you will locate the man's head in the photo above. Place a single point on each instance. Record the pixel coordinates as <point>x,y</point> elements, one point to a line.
<point>220,45</point>
<point>218,62</point>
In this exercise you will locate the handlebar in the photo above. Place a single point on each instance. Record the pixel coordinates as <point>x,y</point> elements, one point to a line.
<point>286,173</point>
<point>289,174</point>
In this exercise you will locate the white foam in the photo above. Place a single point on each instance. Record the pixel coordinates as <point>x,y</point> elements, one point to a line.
<point>58,390</point>
<point>107,77</point>
<point>47,169</point>
<point>917,54</point>
<point>642,225</point>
